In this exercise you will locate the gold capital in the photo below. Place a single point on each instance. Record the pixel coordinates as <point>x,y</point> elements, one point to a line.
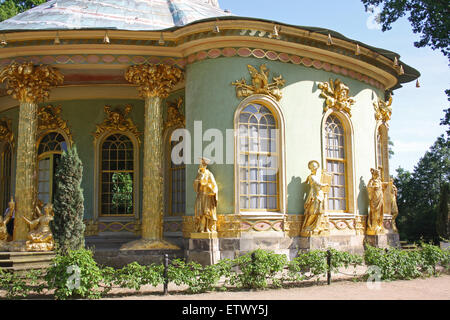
<point>29,83</point>
<point>154,80</point>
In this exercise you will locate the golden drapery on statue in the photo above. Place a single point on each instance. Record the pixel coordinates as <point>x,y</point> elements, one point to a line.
<point>375,189</point>
<point>394,208</point>
<point>316,221</point>
<point>206,202</point>
<point>40,237</point>
<point>5,219</point>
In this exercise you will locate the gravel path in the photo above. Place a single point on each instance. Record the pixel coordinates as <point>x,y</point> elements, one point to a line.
<point>433,288</point>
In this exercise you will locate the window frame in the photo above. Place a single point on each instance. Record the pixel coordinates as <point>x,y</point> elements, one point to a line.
<point>97,203</point>
<point>168,132</point>
<point>48,154</point>
<point>348,162</point>
<point>277,113</point>
<point>4,180</point>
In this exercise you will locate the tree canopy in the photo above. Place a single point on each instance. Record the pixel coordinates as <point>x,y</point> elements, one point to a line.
<point>10,8</point>
<point>421,193</point>
<point>429,18</point>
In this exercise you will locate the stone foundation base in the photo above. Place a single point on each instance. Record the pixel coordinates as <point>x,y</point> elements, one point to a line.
<point>203,248</point>
<point>120,258</point>
<point>384,240</point>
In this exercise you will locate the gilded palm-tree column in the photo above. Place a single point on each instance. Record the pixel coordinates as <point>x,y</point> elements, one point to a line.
<point>29,84</point>
<point>155,83</point>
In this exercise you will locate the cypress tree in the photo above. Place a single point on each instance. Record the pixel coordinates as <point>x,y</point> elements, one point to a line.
<point>442,221</point>
<point>68,227</point>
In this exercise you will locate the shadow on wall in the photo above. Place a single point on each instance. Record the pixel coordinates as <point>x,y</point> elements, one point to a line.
<point>363,197</point>
<point>297,193</point>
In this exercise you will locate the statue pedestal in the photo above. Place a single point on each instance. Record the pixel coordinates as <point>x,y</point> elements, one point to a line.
<point>203,248</point>
<point>383,240</point>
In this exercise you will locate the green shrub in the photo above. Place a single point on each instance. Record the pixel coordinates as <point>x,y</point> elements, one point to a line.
<point>21,285</point>
<point>257,268</point>
<point>432,256</point>
<point>134,276</point>
<point>394,263</point>
<point>313,262</point>
<point>75,275</point>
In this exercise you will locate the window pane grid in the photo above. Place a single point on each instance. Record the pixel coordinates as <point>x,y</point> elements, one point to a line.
<point>336,163</point>
<point>177,185</point>
<point>117,176</point>
<point>258,181</point>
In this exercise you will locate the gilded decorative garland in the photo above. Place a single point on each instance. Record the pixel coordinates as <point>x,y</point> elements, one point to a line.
<point>117,120</point>
<point>336,95</point>
<point>49,119</point>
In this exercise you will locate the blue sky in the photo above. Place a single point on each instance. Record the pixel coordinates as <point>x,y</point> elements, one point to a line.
<point>416,111</point>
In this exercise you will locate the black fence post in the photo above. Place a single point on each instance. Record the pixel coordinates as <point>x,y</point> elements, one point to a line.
<point>166,278</point>
<point>328,266</point>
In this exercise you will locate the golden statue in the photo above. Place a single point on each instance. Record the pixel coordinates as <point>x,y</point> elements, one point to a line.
<point>40,237</point>
<point>375,189</point>
<point>394,209</point>
<point>337,97</point>
<point>206,202</point>
<point>316,221</point>
<point>4,220</point>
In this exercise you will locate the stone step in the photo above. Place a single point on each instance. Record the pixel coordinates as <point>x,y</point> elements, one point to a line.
<point>21,261</point>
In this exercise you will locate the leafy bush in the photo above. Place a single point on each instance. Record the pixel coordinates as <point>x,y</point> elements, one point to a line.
<point>257,268</point>
<point>75,275</point>
<point>396,264</point>
<point>313,262</point>
<point>433,256</point>
<point>21,285</point>
<point>134,276</point>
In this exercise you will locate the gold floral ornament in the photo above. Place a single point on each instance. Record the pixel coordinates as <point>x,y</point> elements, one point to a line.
<point>6,133</point>
<point>29,83</point>
<point>175,117</point>
<point>49,119</point>
<point>337,97</point>
<point>260,84</point>
<point>154,80</point>
<point>383,110</point>
<point>117,120</point>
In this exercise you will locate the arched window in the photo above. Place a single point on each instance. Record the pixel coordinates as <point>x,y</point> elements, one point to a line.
<point>336,163</point>
<point>258,156</point>
<point>117,174</point>
<point>176,176</point>
<point>50,148</point>
<point>382,151</point>
<point>5,175</point>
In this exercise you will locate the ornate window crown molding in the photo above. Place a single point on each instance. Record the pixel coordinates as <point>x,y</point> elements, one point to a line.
<point>336,95</point>
<point>383,110</point>
<point>49,119</point>
<point>6,133</point>
<point>117,120</point>
<point>175,116</point>
<point>260,84</point>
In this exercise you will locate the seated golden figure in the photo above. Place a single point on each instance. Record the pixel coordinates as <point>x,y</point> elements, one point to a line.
<point>206,202</point>
<point>40,237</point>
<point>315,222</point>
